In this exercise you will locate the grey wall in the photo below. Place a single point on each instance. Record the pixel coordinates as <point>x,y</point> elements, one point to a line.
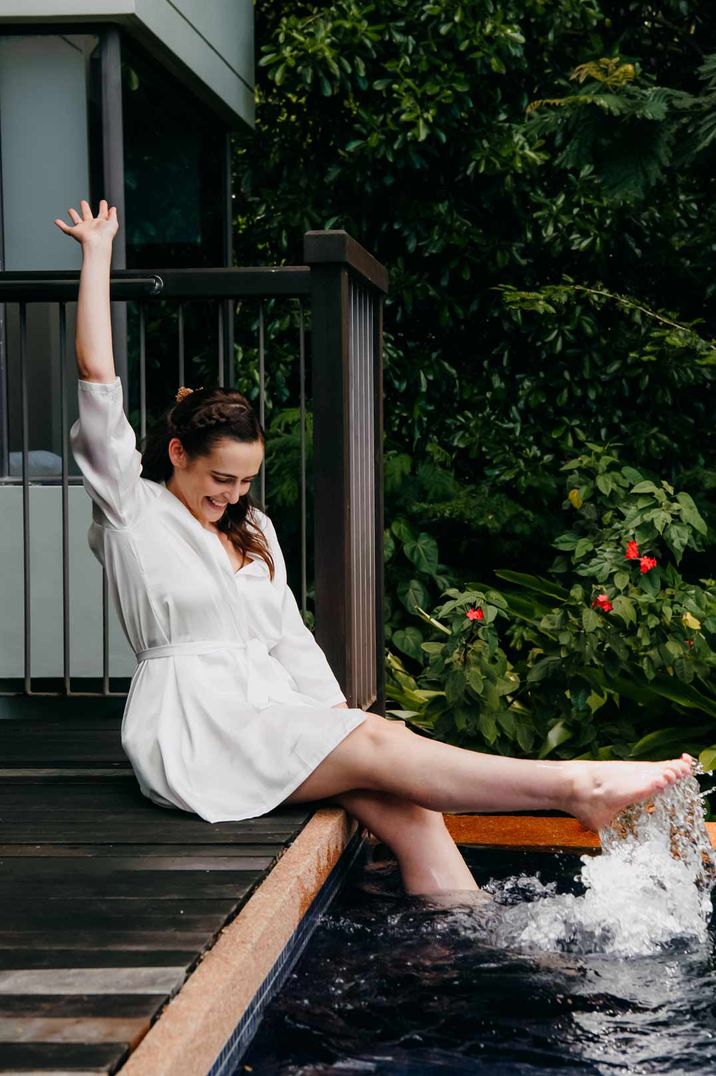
<point>46,589</point>
<point>209,43</point>
<point>44,146</point>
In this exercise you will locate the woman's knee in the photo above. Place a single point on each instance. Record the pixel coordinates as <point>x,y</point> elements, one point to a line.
<point>381,728</point>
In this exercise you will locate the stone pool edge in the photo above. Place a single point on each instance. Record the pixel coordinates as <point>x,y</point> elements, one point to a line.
<point>196,1033</point>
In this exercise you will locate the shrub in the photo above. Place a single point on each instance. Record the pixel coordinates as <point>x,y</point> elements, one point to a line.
<point>611,655</point>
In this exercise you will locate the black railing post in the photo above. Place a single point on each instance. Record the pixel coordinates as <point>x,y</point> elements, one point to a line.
<point>347,289</point>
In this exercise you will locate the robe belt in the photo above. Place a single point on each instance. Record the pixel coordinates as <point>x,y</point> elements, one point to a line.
<point>264,684</point>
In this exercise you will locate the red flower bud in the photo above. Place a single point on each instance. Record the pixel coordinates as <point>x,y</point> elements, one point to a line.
<point>475,614</point>
<point>646,564</point>
<point>632,551</point>
<point>602,602</point>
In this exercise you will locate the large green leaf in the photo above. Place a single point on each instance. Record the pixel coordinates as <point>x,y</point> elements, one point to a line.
<point>559,733</point>
<point>661,743</point>
<point>423,552</point>
<point>410,641</point>
<point>533,582</point>
<point>412,594</point>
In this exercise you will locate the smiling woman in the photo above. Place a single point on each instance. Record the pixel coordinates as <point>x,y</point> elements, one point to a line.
<point>233,709</point>
<point>233,703</point>
<point>207,449</point>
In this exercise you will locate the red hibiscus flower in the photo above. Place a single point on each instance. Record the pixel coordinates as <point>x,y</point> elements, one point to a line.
<point>632,551</point>
<point>646,564</point>
<point>602,602</point>
<point>475,614</point>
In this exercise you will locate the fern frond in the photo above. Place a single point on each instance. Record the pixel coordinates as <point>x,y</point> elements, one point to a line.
<point>610,72</point>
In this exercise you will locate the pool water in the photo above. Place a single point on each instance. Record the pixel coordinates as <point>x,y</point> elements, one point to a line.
<point>405,985</point>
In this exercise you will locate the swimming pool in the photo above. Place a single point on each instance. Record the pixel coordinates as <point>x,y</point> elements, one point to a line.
<point>403,985</point>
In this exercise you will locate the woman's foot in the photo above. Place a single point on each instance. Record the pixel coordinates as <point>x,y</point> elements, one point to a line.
<point>599,790</point>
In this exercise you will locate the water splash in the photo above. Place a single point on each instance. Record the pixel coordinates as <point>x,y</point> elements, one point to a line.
<point>650,887</point>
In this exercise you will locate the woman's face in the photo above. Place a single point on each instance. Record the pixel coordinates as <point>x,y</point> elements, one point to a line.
<point>207,484</point>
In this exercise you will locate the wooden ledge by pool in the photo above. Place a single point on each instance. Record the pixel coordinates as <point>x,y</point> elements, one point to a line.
<point>204,1027</point>
<point>528,832</point>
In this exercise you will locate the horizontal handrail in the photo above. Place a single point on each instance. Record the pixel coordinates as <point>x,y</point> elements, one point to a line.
<point>264,282</point>
<point>40,287</point>
<point>260,283</point>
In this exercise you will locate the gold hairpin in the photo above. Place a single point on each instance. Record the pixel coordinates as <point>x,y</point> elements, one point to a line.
<point>183,393</point>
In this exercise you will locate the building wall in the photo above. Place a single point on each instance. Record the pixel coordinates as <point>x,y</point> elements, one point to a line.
<point>210,43</point>
<point>46,589</point>
<point>43,143</point>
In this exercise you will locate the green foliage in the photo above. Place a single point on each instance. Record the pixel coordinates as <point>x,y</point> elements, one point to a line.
<point>626,128</point>
<point>610,655</point>
<point>407,125</point>
<point>551,280</point>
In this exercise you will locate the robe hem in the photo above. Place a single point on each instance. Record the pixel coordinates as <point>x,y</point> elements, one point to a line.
<point>296,780</point>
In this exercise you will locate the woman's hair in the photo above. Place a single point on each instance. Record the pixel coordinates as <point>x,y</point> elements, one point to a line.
<point>201,419</point>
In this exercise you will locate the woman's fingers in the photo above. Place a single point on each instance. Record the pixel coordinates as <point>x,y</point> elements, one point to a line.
<point>86,225</point>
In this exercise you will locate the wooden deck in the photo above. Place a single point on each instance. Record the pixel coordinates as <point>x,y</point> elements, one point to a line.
<point>106,901</point>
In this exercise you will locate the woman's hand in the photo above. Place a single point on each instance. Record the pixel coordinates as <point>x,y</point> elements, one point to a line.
<point>91,231</point>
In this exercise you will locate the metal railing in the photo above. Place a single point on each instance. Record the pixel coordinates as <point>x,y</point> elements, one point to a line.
<point>341,289</point>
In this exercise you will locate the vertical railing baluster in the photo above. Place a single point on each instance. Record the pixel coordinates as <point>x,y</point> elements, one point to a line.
<point>105,632</point>
<point>4,392</point>
<point>262,401</point>
<point>24,435</point>
<point>302,439</point>
<point>221,379</point>
<point>62,310</point>
<point>180,328</point>
<point>230,343</point>
<point>142,371</point>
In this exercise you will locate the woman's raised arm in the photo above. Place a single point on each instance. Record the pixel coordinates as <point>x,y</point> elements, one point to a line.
<point>95,360</point>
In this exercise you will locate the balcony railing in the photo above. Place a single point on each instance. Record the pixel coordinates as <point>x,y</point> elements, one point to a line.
<point>338,292</point>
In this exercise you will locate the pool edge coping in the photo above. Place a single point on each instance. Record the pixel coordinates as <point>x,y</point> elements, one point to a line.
<point>194,1028</point>
<point>528,832</point>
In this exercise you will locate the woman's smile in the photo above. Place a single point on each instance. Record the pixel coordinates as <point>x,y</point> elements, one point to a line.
<point>219,505</point>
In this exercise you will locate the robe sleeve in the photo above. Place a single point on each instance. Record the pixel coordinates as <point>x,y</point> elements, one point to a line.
<point>297,649</point>
<point>105,448</point>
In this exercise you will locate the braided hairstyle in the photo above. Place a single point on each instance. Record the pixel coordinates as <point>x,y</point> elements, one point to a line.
<point>200,420</point>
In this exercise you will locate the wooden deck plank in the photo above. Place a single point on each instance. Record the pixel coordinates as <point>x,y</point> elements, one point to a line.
<point>61,850</point>
<point>57,1058</point>
<point>86,1029</point>
<point>107,901</point>
<point>103,980</point>
<point>103,866</point>
<point>88,958</point>
<point>115,938</point>
<point>162,886</point>
<point>124,1005</point>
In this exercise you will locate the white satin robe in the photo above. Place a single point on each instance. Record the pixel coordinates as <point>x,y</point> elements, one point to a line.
<point>230,707</point>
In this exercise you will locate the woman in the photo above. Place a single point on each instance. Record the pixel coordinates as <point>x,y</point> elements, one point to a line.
<point>233,709</point>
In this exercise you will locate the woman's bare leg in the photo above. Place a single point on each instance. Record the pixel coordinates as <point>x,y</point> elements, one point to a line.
<point>429,859</point>
<point>382,757</point>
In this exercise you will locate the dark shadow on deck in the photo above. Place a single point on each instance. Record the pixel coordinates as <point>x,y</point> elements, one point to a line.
<point>106,900</point>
